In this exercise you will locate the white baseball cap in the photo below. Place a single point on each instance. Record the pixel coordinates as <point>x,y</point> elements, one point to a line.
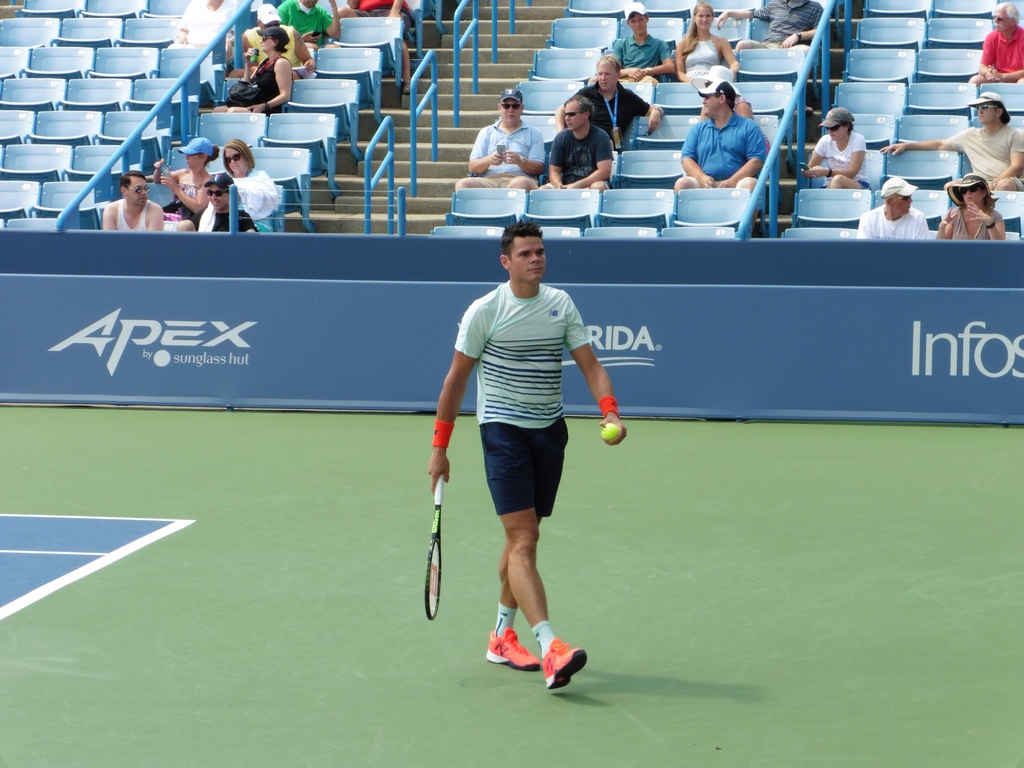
<point>267,14</point>
<point>632,8</point>
<point>898,186</point>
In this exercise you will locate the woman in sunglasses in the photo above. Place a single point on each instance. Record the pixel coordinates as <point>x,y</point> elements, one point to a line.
<point>838,157</point>
<point>257,193</point>
<point>974,215</point>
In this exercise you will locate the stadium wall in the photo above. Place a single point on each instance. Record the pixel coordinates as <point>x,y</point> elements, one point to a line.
<point>760,330</point>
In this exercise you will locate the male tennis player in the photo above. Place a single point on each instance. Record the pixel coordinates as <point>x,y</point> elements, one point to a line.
<point>516,333</point>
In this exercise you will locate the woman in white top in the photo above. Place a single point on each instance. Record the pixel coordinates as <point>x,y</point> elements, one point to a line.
<point>257,194</point>
<point>838,157</point>
<point>699,50</point>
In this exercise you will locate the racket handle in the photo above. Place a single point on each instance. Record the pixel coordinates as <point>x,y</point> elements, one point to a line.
<point>439,490</point>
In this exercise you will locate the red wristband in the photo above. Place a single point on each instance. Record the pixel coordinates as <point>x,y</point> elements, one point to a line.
<point>608,404</point>
<point>442,433</point>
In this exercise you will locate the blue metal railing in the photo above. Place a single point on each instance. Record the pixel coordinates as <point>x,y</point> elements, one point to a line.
<point>416,109</point>
<point>472,33</point>
<point>370,179</point>
<point>768,179</point>
<point>188,84</point>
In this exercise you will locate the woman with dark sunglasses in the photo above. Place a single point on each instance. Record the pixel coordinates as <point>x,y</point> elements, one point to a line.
<point>257,193</point>
<point>838,157</point>
<point>974,215</point>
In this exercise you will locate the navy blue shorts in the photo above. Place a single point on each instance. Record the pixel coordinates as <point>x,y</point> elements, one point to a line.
<point>524,466</point>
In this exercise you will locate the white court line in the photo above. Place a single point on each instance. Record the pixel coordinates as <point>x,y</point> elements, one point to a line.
<point>173,526</point>
<point>48,552</point>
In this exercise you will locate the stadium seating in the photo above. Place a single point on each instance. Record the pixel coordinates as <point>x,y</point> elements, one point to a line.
<point>903,8</point>
<point>289,167</point>
<point>981,9</point>
<point>92,32</point>
<point>543,97</point>
<point>840,208</point>
<point>92,94</point>
<point>87,159</point>
<point>680,9</point>
<point>149,32</point>
<point>733,30</point>
<point>877,130</point>
<point>940,98</point>
<point>35,94</point>
<point>65,62</point>
<point>873,98</point>
<point>583,32</point>
<point>546,125</point>
<point>678,99</point>
<point>66,127</point>
<point>385,34</point>
<point>874,168</point>
<point>13,61</point>
<point>1012,95</point>
<point>146,92</point>
<point>39,224</point>
<point>957,32</point>
<point>778,64</point>
<point>613,9</point>
<point>17,198</point>
<point>710,207</point>
<point>35,162</point>
<point>172,63</point>
<point>876,65</point>
<point>16,125</point>
<point>620,233</point>
<point>337,97</point>
<point>315,131</point>
<point>927,169</point>
<point>1011,206</point>
<point>489,233</point>
<point>931,126</point>
<point>360,64</point>
<point>767,97</point>
<point>956,65</point>
<point>51,9</point>
<point>891,32</point>
<point>671,133</point>
<point>155,142</point>
<point>113,9</point>
<point>647,208</point>
<point>699,233</point>
<point>487,207</point>
<point>130,63</point>
<point>564,64</point>
<point>165,8</point>
<point>561,233</point>
<point>819,233</point>
<point>648,169</point>
<point>221,127</point>
<point>661,28</point>
<point>562,207</point>
<point>28,32</point>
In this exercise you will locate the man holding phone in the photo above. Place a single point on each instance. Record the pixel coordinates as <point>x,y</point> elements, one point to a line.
<point>507,154</point>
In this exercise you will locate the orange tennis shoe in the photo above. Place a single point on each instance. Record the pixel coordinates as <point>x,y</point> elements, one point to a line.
<point>562,662</point>
<point>508,650</point>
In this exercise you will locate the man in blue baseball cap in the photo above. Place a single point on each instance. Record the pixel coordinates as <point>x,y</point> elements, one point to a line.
<point>507,154</point>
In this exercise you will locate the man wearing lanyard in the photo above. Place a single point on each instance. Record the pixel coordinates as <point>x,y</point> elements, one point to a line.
<point>615,106</point>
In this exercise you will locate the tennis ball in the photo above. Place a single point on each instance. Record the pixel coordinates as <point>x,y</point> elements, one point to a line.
<point>609,432</point>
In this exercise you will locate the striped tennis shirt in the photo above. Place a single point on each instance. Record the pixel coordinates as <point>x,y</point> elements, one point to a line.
<point>783,20</point>
<point>518,344</point>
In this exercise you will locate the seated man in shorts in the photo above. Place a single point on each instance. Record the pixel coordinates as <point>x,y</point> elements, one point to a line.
<point>507,153</point>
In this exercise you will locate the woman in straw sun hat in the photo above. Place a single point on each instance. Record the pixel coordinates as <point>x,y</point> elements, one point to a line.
<point>974,215</point>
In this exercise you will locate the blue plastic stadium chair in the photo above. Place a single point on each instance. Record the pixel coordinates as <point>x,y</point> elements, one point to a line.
<point>877,130</point>
<point>679,9</point>
<point>16,125</point>
<point>661,28</point>
<point>154,144</point>
<point>940,98</point>
<point>13,61</point>
<point>564,64</point>
<point>337,97</point>
<point>874,168</point>
<point>28,32</point>
<point>36,224</point>
<point>51,9</point>
<point>678,99</point>
<point>620,233</point>
<point>648,208</point>
<point>364,65</point>
<point>166,8</point>
<point>35,162</point>
<point>778,64</point>
<point>113,9</point>
<point>17,198</point>
<point>710,207</point>
<point>819,233</point>
<point>957,32</point>
<point>147,92</point>
<point>487,233</point>
<point>560,233</point>
<point>546,125</point>
<point>583,32</point>
<point>97,95</point>
<point>544,97</point>
<point>1011,206</point>
<point>87,159</point>
<point>562,207</point>
<point>904,8</point>
<point>383,33</point>
<point>61,61</point>
<point>221,127</point>
<point>671,133</point>
<point>127,63</point>
<point>486,207</point>
<point>873,98</point>
<point>699,233</point>
<point>734,30</point>
<point>1012,95</point>
<point>891,32</point>
<point>91,32</point>
<point>956,65</point>
<point>55,196</point>
<point>880,65</point>
<point>979,9</point>
<point>767,97</point>
<point>289,167</point>
<point>929,126</point>
<point>71,128</point>
<point>315,131</point>
<point>35,94</point>
<point>927,169</point>
<point>841,208</point>
<point>149,32</point>
<point>648,169</point>
<point>613,9</point>
<point>173,62</point>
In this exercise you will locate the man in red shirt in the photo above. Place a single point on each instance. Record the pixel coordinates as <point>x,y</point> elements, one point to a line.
<point>1002,55</point>
<point>394,8</point>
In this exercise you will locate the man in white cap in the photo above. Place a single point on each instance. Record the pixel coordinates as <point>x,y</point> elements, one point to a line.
<point>894,219</point>
<point>791,23</point>
<point>644,58</point>
<point>508,154</point>
<point>297,54</point>
<point>1002,53</point>
<point>995,150</point>
<point>725,150</point>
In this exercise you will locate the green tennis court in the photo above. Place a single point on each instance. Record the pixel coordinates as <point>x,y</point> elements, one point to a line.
<point>768,595</point>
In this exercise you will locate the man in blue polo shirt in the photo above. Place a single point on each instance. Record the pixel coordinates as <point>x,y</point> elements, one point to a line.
<point>725,150</point>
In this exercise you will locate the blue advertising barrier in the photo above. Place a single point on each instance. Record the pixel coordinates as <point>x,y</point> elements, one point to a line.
<point>717,351</point>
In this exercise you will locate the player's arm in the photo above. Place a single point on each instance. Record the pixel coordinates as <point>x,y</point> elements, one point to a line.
<point>448,404</point>
<point>600,385</point>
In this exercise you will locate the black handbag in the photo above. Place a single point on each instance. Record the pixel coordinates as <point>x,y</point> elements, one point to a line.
<point>243,94</point>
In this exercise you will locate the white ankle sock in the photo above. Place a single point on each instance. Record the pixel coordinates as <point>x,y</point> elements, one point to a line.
<point>544,634</point>
<point>506,618</point>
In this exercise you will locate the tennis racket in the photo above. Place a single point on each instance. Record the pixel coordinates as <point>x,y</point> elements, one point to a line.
<point>432,588</point>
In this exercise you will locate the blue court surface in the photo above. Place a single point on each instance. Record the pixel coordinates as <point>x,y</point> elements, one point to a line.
<point>39,554</point>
